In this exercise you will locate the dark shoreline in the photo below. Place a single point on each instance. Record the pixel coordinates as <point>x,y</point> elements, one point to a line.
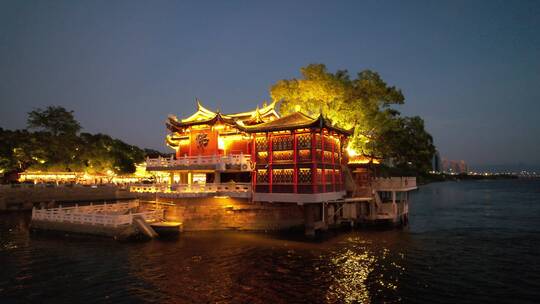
<point>434,178</point>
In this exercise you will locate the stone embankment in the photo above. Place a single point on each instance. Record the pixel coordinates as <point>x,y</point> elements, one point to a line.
<point>26,196</point>
<point>227,213</point>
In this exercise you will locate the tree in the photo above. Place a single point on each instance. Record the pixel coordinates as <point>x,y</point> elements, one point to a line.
<point>409,145</point>
<point>363,104</point>
<point>57,136</point>
<point>14,156</point>
<point>101,153</point>
<point>58,147</point>
<point>54,119</point>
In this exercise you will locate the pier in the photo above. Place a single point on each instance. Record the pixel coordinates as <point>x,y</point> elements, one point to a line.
<point>118,220</point>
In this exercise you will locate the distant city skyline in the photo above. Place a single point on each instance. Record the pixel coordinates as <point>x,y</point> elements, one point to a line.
<point>468,68</point>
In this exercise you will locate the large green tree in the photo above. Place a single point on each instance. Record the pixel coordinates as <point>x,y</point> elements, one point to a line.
<point>363,103</point>
<point>56,146</point>
<point>101,153</point>
<point>408,144</point>
<point>54,119</point>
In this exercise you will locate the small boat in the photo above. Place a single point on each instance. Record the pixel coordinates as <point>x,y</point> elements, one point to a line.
<point>167,228</point>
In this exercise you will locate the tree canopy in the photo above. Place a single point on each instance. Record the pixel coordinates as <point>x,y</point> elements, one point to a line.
<point>363,103</point>
<point>58,147</point>
<point>54,119</point>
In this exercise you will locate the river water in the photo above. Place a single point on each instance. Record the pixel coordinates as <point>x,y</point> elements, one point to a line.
<point>467,242</point>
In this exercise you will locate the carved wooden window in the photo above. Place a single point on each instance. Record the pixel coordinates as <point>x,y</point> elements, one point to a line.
<point>262,156</point>
<point>282,156</point>
<point>262,176</point>
<point>327,156</point>
<point>304,176</point>
<point>329,175</point>
<point>318,142</point>
<point>318,176</point>
<point>280,143</point>
<point>304,155</point>
<point>337,143</point>
<point>303,141</point>
<point>261,144</point>
<point>327,143</point>
<point>282,176</point>
<point>318,155</point>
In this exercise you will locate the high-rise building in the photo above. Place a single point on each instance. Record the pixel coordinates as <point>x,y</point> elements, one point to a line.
<point>436,162</point>
<point>454,166</point>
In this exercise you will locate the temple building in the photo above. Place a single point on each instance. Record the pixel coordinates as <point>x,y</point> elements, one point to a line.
<point>294,158</point>
<point>260,170</point>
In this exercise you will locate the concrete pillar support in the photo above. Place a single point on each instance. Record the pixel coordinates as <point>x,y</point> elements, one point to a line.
<point>309,219</point>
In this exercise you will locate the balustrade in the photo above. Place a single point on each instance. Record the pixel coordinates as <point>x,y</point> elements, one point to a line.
<point>231,159</point>
<point>106,214</point>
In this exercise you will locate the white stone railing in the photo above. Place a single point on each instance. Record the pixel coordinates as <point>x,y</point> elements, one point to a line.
<point>394,183</point>
<point>100,208</point>
<point>106,214</point>
<point>149,188</point>
<point>243,160</point>
<point>201,188</point>
<point>191,188</point>
<point>52,185</point>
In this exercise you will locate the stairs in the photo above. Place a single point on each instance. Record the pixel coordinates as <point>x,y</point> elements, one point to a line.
<point>144,227</point>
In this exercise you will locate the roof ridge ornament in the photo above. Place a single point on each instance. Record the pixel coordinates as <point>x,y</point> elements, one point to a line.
<point>321,115</point>
<point>258,117</point>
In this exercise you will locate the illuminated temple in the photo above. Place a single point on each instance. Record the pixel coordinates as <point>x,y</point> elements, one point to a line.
<point>261,170</point>
<point>292,158</point>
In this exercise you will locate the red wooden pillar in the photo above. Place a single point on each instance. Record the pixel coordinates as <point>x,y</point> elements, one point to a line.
<point>254,161</point>
<point>295,160</point>
<point>270,157</point>
<point>333,165</point>
<point>313,161</point>
<point>341,142</point>
<point>323,162</point>
<point>190,141</point>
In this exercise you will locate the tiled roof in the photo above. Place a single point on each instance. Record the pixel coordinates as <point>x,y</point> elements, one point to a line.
<point>293,121</point>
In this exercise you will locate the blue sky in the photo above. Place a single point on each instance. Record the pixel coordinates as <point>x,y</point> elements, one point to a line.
<point>470,68</point>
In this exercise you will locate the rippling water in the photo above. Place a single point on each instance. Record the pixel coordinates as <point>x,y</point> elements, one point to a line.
<point>468,242</point>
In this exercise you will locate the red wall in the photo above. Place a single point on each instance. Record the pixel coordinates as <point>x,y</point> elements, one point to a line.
<point>211,148</point>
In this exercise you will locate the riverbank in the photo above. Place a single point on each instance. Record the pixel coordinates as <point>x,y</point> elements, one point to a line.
<point>425,179</point>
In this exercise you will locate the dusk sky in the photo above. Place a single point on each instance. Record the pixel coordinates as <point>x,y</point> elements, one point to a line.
<point>471,69</point>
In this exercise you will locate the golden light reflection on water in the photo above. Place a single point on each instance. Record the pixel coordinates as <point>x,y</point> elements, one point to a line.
<point>352,271</point>
<point>362,273</point>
